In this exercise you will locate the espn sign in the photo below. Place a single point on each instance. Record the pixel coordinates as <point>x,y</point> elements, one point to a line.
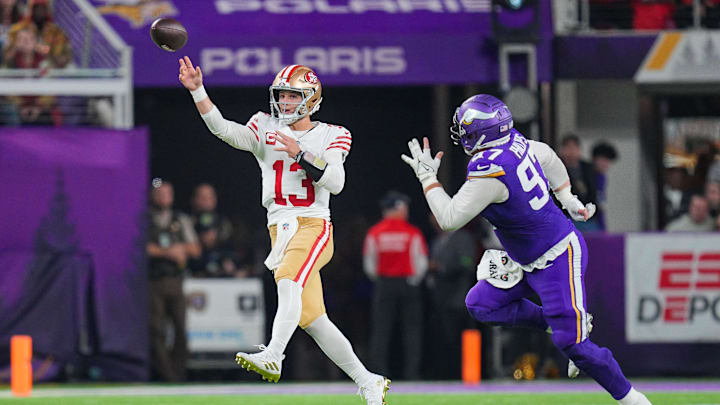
<point>672,288</point>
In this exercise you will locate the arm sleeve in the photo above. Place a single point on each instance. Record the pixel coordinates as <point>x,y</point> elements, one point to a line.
<point>370,257</point>
<point>472,198</point>
<point>236,135</point>
<point>418,259</point>
<point>552,166</point>
<point>333,178</point>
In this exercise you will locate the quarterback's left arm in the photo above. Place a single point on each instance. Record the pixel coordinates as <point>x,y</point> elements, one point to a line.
<point>557,175</point>
<point>326,171</point>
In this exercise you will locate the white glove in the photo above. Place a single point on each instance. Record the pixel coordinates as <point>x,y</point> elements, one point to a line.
<point>422,162</point>
<point>578,211</point>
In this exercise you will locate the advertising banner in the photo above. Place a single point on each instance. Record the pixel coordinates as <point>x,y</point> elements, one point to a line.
<point>347,42</point>
<point>224,314</point>
<point>672,289</point>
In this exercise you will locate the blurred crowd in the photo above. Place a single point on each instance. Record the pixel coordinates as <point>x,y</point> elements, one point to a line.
<point>691,190</point>
<point>652,14</point>
<point>30,39</point>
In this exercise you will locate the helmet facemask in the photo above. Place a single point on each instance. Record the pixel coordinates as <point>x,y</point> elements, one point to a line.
<point>302,81</point>
<point>301,109</point>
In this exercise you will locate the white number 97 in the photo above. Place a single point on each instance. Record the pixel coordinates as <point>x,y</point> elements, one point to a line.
<point>529,181</point>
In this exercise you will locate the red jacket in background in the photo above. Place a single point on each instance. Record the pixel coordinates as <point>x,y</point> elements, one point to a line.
<point>395,248</point>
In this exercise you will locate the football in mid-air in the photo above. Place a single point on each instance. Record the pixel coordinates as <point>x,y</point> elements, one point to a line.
<point>168,34</point>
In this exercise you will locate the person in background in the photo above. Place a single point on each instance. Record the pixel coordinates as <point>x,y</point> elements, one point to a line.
<point>697,219</point>
<point>215,233</point>
<point>451,274</point>
<point>24,52</point>
<point>10,13</point>
<point>582,176</point>
<point>55,43</point>
<point>395,257</point>
<point>603,156</point>
<point>653,14</point>
<point>171,242</point>
<point>712,194</point>
<point>677,198</point>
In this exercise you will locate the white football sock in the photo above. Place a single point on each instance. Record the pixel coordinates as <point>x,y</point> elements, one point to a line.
<point>287,315</point>
<point>336,346</point>
<point>634,397</point>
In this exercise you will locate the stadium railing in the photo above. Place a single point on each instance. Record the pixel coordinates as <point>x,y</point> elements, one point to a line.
<point>96,88</point>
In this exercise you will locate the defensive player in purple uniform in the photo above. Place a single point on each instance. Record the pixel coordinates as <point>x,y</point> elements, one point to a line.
<point>507,183</point>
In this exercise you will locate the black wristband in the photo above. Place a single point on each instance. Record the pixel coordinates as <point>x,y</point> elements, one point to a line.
<point>312,171</point>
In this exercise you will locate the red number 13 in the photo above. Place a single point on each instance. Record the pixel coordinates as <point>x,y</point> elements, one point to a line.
<point>294,200</point>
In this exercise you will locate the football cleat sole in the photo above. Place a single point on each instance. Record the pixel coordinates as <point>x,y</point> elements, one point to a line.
<point>267,376</point>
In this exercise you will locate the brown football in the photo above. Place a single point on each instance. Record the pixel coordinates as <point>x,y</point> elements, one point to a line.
<point>168,34</point>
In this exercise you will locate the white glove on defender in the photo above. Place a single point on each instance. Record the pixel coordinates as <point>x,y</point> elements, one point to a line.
<point>422,163</point>
<point>578,211</point>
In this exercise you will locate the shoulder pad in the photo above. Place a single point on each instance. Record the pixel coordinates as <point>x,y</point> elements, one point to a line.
<point>340,138</point>
<point>484,169</point>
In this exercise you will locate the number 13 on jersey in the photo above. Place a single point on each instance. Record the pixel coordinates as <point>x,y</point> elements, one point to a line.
<point>306,183</point>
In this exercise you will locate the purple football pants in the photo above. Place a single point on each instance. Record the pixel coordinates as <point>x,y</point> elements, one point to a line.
<point>562,291</point>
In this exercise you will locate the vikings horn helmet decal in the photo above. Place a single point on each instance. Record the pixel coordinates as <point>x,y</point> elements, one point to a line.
<point>300,79</point>
<point>481,121</point>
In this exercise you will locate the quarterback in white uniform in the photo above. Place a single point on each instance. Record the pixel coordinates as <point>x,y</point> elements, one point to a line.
<point>302,164</point>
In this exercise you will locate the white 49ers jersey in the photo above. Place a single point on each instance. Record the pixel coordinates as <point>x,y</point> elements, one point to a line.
<point>286,189</point>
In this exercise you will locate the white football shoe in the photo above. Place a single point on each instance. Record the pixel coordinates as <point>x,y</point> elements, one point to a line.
<point>573,370</point>
<point>264,362</point>
<point>374,390</point>
<point>634,398</point>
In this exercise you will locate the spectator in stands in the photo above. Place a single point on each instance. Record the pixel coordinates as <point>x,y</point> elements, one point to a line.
<point>653,14</point>
<point>451,275</point>
<point>603,156</point>
<point>171,242</point>
<point>51,36</point>
<point>582,176</point>
<point>697,219</point>
<point>215,234</point>
<point>24,52</point>
<point>677,197</point>
<point>713,174</point>
<point>10,13</point>
<point>395,258</point>
<point>712,194</point>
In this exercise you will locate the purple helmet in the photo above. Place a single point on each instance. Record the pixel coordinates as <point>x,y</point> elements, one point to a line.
<point>481,121</point>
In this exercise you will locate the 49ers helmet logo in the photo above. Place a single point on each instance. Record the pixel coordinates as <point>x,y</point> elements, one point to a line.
<point>311,78</point>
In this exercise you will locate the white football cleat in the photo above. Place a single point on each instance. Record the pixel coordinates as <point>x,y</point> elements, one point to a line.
<point>573,370</point>
<point>264,362</point>
<point>374,390</point>
<point>634,397</point>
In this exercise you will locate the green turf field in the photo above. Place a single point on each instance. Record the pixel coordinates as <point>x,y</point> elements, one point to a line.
<point>705,398</point>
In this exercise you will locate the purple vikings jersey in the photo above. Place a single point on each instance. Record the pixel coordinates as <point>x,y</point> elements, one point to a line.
<point>528,223</point>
